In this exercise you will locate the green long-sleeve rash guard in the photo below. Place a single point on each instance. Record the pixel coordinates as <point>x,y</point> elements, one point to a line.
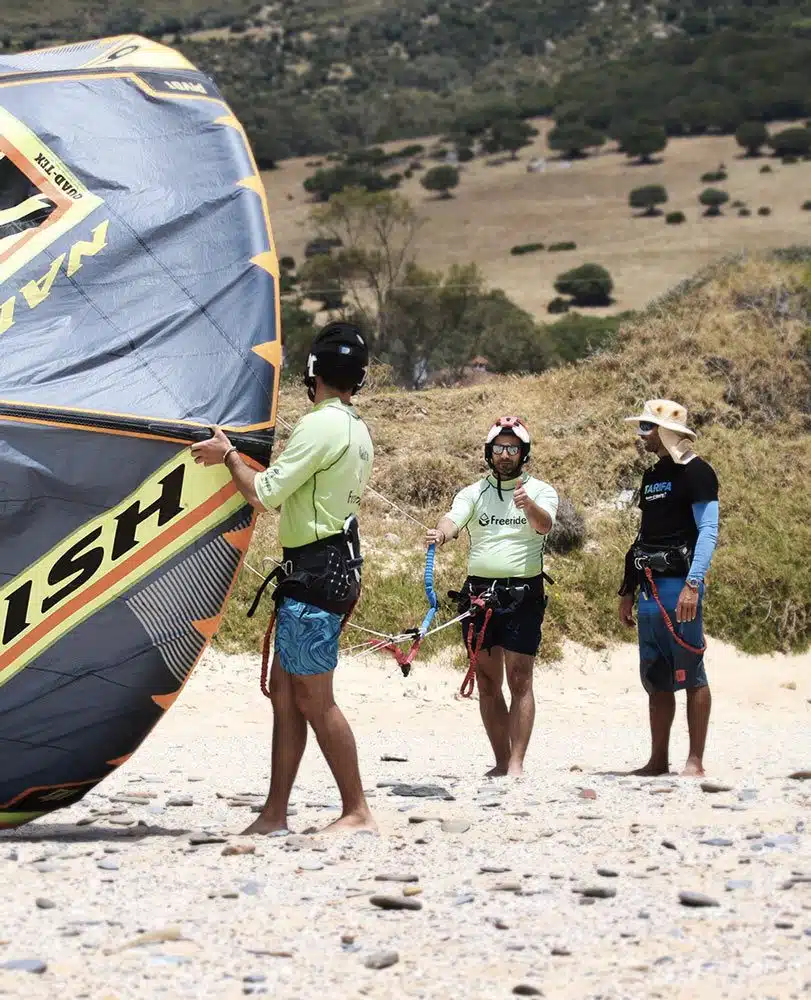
<point>319,478</point>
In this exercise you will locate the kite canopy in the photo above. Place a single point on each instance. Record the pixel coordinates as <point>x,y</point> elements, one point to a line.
<point>138,306</point>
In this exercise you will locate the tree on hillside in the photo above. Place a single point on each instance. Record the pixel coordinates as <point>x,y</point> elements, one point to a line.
<point>791,142</point>
<point>713,199</point>
<point>751,136</point>
<point>324,183</point>
<point>588,285</point>
<point>573,141</point>
<point>648,198</point>
<point>642,141</point>
<point>441,179</point>
<point>377,232</point>
<point>509,136</point>
<point>299,330</point>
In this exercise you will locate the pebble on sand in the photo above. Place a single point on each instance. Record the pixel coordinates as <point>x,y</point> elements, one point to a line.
<point>395,903</point>
<point>44,904</point>
<point>526,990</point>
<point>455,826</point>
<point>713,787</point>
<point>35,965</point>
<point>397,878</point>
<point>599,892</point>
<point>237,850</point>
<point>687,898</point>
<point>180,800</point>
<point>381,959</point>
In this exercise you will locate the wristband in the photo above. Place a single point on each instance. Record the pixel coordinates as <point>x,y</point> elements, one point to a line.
<point>228,452</point>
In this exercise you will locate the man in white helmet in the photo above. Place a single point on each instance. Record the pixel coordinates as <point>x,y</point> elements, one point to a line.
<point>667,563</point>
<point>507,516</point>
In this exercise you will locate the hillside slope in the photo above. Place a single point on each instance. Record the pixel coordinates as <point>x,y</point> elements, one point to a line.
<point>733,344</point>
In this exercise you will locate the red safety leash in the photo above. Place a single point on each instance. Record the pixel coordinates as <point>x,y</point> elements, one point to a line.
<point>666,617</point>
<point>469,683</point>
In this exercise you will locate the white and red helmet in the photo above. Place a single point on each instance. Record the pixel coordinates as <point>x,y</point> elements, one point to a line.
<point>508,425</point>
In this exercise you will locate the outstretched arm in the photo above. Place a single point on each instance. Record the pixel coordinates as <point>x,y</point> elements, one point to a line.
<point>218,449</point>
<point>443,532</point>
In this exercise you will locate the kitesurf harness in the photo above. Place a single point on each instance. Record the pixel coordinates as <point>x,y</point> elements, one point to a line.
<point>518,429</point>
<point>674,561</point>
<point>324,573</point>
<point>485,598</point>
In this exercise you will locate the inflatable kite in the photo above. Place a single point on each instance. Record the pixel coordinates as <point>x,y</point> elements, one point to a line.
<point>138,306</point>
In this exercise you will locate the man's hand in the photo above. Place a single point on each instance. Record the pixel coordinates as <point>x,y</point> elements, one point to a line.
<point>626,611</point>
<point>435,536</point>
<point>687,607</point>
<point>212,450</point>
<point>521,497</point>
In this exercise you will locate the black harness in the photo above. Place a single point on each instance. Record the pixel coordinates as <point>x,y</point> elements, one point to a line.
<point>324,573</point>
<point>660,560</point>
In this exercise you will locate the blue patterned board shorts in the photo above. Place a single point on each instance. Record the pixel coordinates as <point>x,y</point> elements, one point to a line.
<point>664,665</point>
<point>306,638</point>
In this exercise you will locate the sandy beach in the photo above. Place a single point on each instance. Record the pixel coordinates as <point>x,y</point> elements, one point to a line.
<point>565,882</point>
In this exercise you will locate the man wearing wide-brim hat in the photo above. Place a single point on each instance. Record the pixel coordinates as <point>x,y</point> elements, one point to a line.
<point>667,563</point>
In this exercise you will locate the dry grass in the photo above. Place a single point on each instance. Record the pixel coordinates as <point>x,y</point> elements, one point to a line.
<point>743,325</point>
<point>495,208</point>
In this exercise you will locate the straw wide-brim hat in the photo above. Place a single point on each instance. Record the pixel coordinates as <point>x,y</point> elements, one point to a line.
<point>667,414</point>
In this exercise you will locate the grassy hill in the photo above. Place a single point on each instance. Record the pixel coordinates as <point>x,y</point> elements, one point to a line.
<point>497,207</point>
<point>733,344</point>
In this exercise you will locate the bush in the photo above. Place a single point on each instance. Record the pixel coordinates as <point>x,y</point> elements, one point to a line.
<point>737,203</point>
<point>647,198</point>
<point>714,176</point>
<point>790,159</point>
<point>791,142</point>
<point>806,206</point>
<point>415,165</point>
<point>464,154</point>
<point>441,179</point>
<point>588,285</point>
<point>565,245</point>
<point>751,136</point>
<point>642,140</point>
<point>572,141</point>
<point>713,199</point>
<point>409,173</point>
<point>325,183</point>
<point>744,213</point>
<point>765,169</point>
<point>569,530</point>
<point>287,263</point>
<point>558,305</point>
<point>764,210</point>
<point>523,248</point>
<point>409,152</point>
<point>675,218</point>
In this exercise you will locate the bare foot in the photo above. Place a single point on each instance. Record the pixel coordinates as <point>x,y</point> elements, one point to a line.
<point>353,823</point>
<point>651,770</point>
<point>496,772</point>
<point>515,770</point>
<point>693,768</point>
<point>266,825</point>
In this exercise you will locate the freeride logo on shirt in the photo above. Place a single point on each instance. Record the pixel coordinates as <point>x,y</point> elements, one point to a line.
<point>486,520</point>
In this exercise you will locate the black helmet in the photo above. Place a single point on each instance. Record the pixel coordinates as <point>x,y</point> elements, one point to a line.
<point>340,356</point>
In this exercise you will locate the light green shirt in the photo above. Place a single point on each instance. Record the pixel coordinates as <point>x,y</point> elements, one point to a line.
<point>320,476</point>
<point>502,541</point>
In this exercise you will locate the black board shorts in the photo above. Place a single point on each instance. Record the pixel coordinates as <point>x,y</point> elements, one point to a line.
<point>516,631</point>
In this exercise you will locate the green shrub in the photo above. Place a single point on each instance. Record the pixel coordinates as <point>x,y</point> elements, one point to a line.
<point>713,199</point>
<point>558,305</point>
<point>675,218</point>
<point>565,245</point>
<point>648,197</point>
<point>766,169</point>
<point>588,285</point>
<point>408,174</point>
<point>764,210</point>
<point>806,206</point>
<point>409,152</point>
<point>523,248</point>
<point>464,154</point>
<point>744,213</point>
<point>287,263</point>
<point>713,177</point>
<point>737,203</point>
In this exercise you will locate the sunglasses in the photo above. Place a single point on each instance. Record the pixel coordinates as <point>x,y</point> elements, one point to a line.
<point>645,426</point>
<point>511,449</point>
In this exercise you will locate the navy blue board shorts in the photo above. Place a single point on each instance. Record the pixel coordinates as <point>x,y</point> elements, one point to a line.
<point>517,631</point>
<point>306,638</point>
<point>664,665</point>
